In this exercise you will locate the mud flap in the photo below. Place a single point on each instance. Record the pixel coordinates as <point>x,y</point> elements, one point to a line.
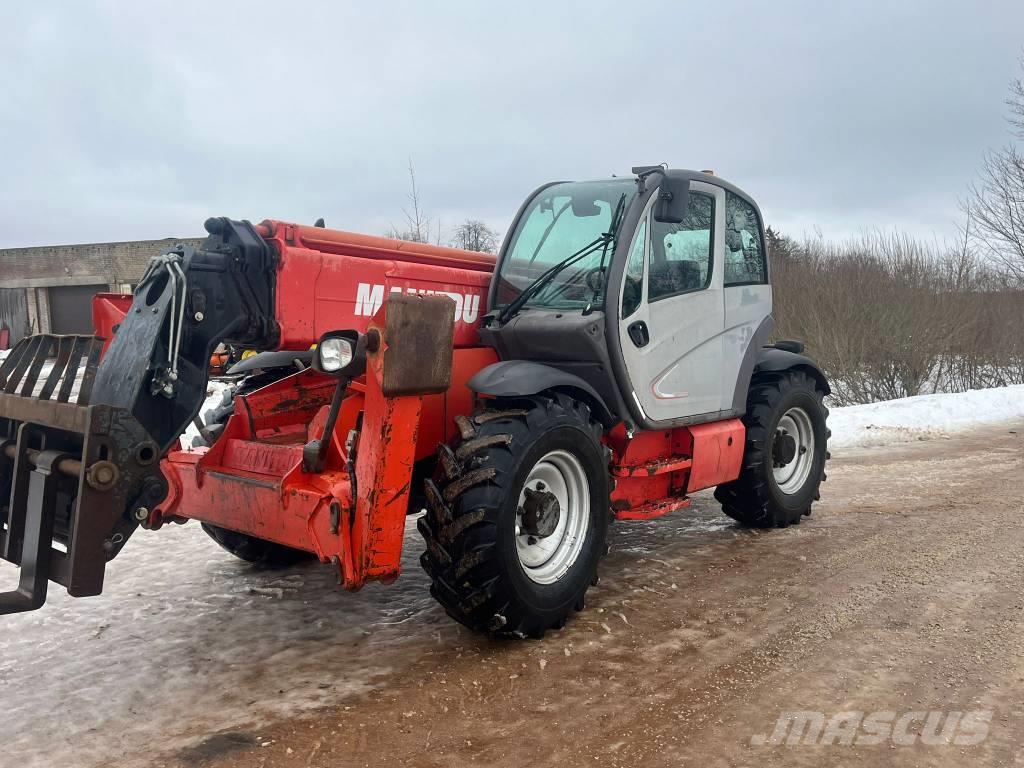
<point>75,479</point>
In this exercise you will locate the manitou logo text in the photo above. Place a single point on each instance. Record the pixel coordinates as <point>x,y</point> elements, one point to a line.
<point>369,298</point>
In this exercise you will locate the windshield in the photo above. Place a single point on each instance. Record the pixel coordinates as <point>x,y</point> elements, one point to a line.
<point>557,223</point>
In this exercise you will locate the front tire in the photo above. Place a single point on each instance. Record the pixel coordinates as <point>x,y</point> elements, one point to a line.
<point>517,516</point>
<point>785,452</point>
<point>259,552</point>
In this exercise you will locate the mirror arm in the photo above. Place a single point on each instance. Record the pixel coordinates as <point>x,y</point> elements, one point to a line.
<point>314,453</point>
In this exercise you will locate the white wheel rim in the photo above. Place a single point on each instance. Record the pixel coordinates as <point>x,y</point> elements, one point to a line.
<point>546,560</point>
<point>792,476</point>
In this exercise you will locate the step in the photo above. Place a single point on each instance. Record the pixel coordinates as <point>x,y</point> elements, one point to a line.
<point>653,509</point>
<point>658,467</point>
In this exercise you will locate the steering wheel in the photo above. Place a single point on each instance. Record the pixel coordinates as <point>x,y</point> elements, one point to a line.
<point>590,280</point>
<point>593,278</point>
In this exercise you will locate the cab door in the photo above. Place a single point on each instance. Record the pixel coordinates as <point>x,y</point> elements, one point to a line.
<point>672,311</point>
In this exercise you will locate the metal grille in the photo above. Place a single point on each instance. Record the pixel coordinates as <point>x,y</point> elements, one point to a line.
<point>48,367</point>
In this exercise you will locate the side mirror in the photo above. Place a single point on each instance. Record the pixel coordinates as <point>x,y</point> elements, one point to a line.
<point>673,199</point>
<point>341,353</point>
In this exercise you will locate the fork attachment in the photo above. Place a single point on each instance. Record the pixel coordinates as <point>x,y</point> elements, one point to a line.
<point>69,471</point>
<point>83,430</point>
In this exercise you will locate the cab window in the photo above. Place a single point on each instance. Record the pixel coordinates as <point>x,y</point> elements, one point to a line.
<point>559,221</point>
<point>681,254</point>
<point>744,255</point>
<point>633,288</point>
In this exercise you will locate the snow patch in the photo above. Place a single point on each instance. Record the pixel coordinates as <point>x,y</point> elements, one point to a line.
<point>923,417</point>
<point>214,394</point>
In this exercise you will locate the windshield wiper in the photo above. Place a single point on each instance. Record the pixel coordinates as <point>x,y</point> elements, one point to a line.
<point>531,290</point>
<point>617,217</point>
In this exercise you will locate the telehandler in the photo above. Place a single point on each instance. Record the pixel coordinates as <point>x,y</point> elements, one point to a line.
<point>610,361</point>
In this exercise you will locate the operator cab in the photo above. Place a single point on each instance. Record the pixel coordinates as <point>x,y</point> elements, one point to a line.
<point>652,288</point>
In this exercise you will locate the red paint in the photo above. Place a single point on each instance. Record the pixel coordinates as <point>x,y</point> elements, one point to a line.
<point>650,471</point>
<point>332,280</point>
<point>717,453</point>
<point>109,309</point>
<point>654,471</point>
<point>251,480</point>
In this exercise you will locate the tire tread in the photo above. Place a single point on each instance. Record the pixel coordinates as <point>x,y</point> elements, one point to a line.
<point>748,499</point>
<point>463,510</point>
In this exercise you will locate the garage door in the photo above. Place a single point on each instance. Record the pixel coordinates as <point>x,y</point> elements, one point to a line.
<point>71,308</point>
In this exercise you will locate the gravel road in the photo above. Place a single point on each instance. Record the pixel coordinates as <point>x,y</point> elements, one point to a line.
<point>897,603</point>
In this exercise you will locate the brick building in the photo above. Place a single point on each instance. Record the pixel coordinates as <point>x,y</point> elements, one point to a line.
<point>48,289</point>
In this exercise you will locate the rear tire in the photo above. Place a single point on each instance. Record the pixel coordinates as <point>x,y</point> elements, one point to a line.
<point>502,561</point>
<point>785,452</point>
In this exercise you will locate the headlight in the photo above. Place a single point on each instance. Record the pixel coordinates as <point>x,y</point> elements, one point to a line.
<point>335,354</point>
<point>341,354</point>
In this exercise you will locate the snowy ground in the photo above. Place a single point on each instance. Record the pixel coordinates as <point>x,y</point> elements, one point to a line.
<point>187,641</point>
<point>184,637</point>
<point>923,417</point>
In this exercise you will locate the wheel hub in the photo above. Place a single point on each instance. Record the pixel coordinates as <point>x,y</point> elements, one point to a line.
<point>552,516</point>
<point>540,512</point>
<point>792,451</point>
<point>784,450</point>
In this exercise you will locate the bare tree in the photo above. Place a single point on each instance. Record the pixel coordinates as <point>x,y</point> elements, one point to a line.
<point>781,247</point>
<point>474,235</point>
<point>1016,103</point>
<point>888,316</point>
<point>995,203</point>
<point>417,224</point>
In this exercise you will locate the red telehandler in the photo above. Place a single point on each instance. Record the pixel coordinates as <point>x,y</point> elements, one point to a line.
<point>611,360</point>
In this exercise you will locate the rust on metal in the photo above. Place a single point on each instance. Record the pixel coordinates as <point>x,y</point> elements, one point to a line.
<point>20,373</point>
<point>418,341</point>
<point>70,467</point>
<point>653,509</point>
<point>46,413</point>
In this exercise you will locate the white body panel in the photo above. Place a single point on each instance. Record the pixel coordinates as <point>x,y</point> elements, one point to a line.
<point>746,307</point>
<point>679,372</point>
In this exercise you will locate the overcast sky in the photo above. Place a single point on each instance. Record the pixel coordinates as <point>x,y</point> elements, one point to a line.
<point>132,120</point>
